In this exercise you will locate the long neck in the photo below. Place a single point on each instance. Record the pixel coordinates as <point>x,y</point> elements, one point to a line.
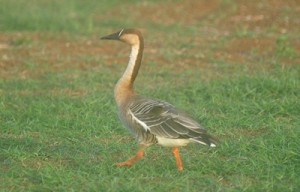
<point>135,60</point>
<point>124,86</point>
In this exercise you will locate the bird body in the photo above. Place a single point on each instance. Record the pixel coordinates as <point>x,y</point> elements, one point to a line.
<point>152,121</point>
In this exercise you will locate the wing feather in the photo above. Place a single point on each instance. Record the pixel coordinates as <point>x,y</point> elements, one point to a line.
<point>164,120</point>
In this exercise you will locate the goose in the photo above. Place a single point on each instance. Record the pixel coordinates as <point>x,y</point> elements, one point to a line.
<point>151,121</point>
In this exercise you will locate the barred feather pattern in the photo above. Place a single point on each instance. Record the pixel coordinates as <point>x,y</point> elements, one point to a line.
<point>150,119</point>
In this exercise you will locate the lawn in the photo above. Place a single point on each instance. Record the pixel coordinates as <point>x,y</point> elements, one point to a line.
<point>233,65</point>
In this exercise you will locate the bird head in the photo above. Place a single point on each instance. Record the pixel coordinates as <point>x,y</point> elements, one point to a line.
<point>129,36</point>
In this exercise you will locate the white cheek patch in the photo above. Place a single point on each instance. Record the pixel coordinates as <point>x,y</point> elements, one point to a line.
<point>121,32</point>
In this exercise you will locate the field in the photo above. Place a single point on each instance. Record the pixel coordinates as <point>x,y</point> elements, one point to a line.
<point>234,65</point>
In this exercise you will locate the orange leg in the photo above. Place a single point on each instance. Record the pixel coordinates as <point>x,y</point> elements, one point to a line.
<point>131,160</point>
<point>177,157</point>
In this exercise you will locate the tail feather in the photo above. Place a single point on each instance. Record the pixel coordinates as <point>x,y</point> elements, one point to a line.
<point>206,140</point>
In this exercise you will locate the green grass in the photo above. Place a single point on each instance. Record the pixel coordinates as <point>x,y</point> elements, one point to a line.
<point>58,125</point>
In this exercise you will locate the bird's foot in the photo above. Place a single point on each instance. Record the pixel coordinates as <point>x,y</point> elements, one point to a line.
<point>125,163</point>
<point>131,160</point>
<point>180,168</point>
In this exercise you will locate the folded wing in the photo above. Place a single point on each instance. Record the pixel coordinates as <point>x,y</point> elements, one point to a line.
<point>164,120</point>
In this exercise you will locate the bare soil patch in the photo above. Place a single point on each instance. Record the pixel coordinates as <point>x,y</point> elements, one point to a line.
<point>30,54</point>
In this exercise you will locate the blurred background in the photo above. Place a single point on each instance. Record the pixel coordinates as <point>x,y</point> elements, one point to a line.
<point>235,31</point>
